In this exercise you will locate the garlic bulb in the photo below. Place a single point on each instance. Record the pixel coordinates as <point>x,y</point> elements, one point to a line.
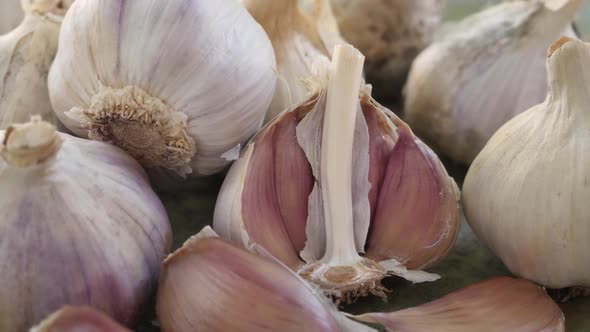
<point>174,83</point>
<point>78,319</point>
<point>486,70</point>
<point>497,304</point>
<point>390,34</point>
<point>526,194</point>
<point>79,224</point>
<point>298,37</point>
<point>336,177</point>
<point>26,54</point>
<point>11,14</point>
<point>210,285</point>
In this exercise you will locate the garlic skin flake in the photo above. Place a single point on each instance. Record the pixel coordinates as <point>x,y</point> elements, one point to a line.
<point>79,224</point>
<point>11,14</point>
<point>300,35</point>
<point>483,72</point>
<point>78,319</point>
<point>340,190</point>
<point>497,304</point>
<point>26,54</point>
<point>174,83</point>
<point>390,33</point>
<point>211,285</point>
<point>526,194</point>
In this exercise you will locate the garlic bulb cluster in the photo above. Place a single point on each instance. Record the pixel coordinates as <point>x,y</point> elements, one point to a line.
<point>390,34</point>
<point>26,54</point>
<point>483,72</point>
<point>11,14</point>
<point>526,194</point>
<point>79,224</point>
<point>78,319</point>
<point>497,304</point>
<point>174,83</point>
<point>300,33</point>
<point>340,190</point>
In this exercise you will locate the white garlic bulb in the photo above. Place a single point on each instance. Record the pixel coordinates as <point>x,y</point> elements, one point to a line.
<point>484,71</point>
<point>79,224</point>
<point>175,83</point>
<point>526,194</point>
<point>26,54</point>
<point>390,34</point>
<point>300,34</point>
<point>11,14</point>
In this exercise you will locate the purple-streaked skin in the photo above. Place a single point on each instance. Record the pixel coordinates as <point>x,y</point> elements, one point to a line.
<point>210,285</point>
<point>79,319</point>
<point>89,231</point>
<point>497,304</point>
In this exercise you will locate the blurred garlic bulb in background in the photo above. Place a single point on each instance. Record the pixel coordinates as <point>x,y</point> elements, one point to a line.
<point>487,69</point>
<point>335,178</point>
<point>299,34</point>
<point>78,319</point>
<point>175,83</point>
<point>79,224</point>
<point>26,54</point>
<point>11,14</point>
<point>526,194</point>
<point>390,34</point>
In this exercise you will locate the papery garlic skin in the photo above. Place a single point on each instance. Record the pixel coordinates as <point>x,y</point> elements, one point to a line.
<point>390,34</point>
<point>458,92</point>
<point>526,194</point>
<point>78,319</point>
<point>300,35</point>
<point>174,83</point>
<point>26,54</point>
<point>79,224</point>
<point>496,304</point>
<point>11,14</point>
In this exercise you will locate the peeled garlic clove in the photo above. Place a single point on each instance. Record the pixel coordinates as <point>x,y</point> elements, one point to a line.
<point>75,319</point>
<point>497,304</point>
<point>299,37</point>
<point>11,14</point>
<point>526,194</point>
<point>458,95</point>
<point>174,83</point>
<point>210,285</point>
<point>390,34</point>
<point>80,225</point>
<point>26,55</point>
<point>334,177</point>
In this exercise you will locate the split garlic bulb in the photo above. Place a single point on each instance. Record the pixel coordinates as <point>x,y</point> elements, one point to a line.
<point>78,319</point>
<point>482,73</point>
<point>26,54</point>
<point>526,194</point>
<point>336,177</point>
<point>390,34</point>
<point>11,14</point>
<point>79,224</point>
<point>299,34</point>
<point>175,83</point>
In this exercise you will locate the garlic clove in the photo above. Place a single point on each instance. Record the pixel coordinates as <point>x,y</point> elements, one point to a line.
<point>211,285</point>
<point>497,304</point>
<point>415,193</point>
<point>526,194</point>
<point>75,319</point>
<point>457,94</point>
<point>203,85</point>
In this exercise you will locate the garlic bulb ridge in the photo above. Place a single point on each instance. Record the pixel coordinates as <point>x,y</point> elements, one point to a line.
<point>79,224</point>
<point>458,92</point>
<point>176,83</point>
<point>526,194</point>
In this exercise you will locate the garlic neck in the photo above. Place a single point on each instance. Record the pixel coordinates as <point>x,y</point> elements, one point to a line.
<point>556,16</point>
<point>53,8</point>
<point>569,76</point>
<point>30,144</point>
<point>271,12</point>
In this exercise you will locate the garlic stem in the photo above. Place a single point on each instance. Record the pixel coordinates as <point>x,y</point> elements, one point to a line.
<point>336,156</point>
<point>30,144</point>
